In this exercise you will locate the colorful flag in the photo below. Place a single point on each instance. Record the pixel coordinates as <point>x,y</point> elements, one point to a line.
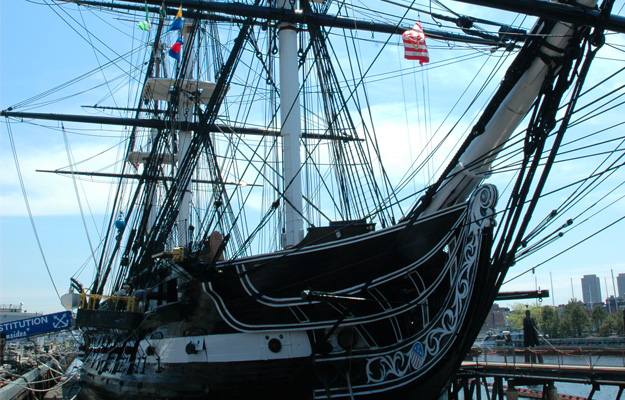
<point>177,24</point>
<point>414,44</point>
<point>175,49</point>
<point>145,25</point>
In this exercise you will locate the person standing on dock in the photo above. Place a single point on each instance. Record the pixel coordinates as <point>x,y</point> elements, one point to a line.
<point>530,338</point>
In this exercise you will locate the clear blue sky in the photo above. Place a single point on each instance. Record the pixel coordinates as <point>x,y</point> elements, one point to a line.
<point>39,51</point>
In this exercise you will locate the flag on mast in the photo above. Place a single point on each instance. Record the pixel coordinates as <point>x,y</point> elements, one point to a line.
<point>161,11</point>
<point>177,24</point>
<point>414,44</point>
<point>145,25</point>
<point>174,52</point>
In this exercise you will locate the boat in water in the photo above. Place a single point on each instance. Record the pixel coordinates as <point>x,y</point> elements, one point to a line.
<point>256,243</point>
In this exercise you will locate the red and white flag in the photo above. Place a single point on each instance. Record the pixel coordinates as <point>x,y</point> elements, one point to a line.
<point>414,44</point>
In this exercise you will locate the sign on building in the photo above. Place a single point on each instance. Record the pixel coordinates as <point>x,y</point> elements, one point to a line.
<point>22,328</point>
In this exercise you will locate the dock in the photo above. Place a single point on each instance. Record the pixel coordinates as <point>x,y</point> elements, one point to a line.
<point>45,377</point>
<point>483,374</point>
<point>67,388</point>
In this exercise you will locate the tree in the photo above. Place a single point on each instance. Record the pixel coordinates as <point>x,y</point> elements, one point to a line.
<point>598,315</point>
<point>549,321</point>
<point>574,319</point>
<point>566,328</point>
<point>612,324</point>
<point>517,313</point>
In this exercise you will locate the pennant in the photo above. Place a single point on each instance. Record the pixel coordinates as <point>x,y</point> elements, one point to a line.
<point>145,25</point>
<point>414,44</point>
<point>177,24</point>
<point>174,52</point>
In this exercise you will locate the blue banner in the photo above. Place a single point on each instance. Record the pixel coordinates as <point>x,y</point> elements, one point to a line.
<point>22,328</point>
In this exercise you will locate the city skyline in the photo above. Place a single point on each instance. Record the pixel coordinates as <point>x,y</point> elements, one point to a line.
<point>620,279</point>
<point>595,292</point>
<point>591,289</point>
<point>613,286</point>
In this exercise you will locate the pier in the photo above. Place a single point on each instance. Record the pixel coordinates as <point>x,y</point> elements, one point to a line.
<point>487,371</point>
<point>47,375</point>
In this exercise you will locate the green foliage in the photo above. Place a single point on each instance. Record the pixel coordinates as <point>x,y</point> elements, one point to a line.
<point>612,324</point>
<point>574,321</point>
<point>515,316</point>
<point>598,315</point>
<point>517,313</point>
<point>549,321</point>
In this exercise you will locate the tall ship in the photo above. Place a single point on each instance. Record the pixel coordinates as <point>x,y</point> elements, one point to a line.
<point>259,241</point>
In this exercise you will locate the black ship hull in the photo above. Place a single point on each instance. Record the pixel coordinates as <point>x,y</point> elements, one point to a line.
<point>391,317</point>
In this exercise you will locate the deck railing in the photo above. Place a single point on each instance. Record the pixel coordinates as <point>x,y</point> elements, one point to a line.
<point>100,301</point>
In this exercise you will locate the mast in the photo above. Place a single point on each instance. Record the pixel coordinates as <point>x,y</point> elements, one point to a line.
<point>185,114</point>
<point>291,130</point>
<point>474,164</point>
<point>614,289</point>
<point>151,200</point>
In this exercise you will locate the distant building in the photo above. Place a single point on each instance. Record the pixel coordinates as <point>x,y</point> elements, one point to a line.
<point>496,319</point>
<point>620,280</point>
<point>591,289</point>
<point>13,312</point>
<point>613,303</point>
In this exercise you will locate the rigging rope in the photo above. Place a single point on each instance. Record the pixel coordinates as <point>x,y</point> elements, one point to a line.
<point>95,53</point>
<point>590,54</point>
<point>82,214</point>
<point>394,192</point>
<point>30,214</point>
<point>407,178</point>
<point>567,249</point>
<point>88,40</point>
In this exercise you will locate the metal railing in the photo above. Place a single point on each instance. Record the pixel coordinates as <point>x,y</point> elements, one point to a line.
<point>100,301</point>
<point>560,355</point>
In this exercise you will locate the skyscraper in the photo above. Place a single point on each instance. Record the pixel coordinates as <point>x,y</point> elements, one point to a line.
<point>591,289</point>
<point>620,280</point>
